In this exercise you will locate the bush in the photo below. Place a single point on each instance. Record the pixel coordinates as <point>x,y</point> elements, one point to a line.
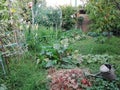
<point>47,16</point>
<point>68,21</point>
<point>41,36</point>
<point>104,15</point>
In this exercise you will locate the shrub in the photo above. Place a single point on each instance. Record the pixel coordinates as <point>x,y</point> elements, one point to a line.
<point>104,15</point>
<point>68,22</point>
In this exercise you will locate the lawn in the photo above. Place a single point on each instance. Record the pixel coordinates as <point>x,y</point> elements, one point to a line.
<point>89,46</point>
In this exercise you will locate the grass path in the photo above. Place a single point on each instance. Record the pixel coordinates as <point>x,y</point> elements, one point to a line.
<point>89,46</point>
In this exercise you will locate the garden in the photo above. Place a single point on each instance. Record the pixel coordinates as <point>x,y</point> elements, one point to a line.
<point>41,47</point>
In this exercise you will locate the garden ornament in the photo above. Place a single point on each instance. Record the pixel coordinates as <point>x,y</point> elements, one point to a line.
<point>106,72</point>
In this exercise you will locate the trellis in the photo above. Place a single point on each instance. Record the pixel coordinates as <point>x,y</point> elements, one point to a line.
<point>11,43</point>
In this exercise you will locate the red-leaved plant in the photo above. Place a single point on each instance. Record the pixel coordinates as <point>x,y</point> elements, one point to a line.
<point>72,79</point>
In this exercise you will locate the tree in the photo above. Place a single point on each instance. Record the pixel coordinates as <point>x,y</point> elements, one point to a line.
<point>104,15</point>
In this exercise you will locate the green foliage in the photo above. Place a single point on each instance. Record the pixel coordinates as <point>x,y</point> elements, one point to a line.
<point>11,14</point>
<point>3,87</point>
<point>41,36</point>
<point>89,46</point>
<point>95,63</point>
<point>55,17</point>
<point>101,59</point>
<point>4,16</point>
<point>99,84</point>
<point>64,50</point>
<point>93,34</point>
<point>3,10</point>
<point>68,22</point>
<point>25,13</point>
<point>58,51</point>
<point>47,15</point>
<point>24,76</point>
<point>104,15</point>
<point>61,49</point>
<point>80,20</point>
<point>72,33</point>
<point>100,39</point>
<point>50,56</point>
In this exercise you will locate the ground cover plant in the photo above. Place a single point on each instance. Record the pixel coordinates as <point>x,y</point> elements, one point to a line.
<point>69,80</point>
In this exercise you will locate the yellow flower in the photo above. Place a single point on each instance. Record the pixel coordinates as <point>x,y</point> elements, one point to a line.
<point>12,10</point>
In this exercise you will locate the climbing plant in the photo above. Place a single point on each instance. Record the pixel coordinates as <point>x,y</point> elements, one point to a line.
<point>4,15</point>
<point>11,37</point>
